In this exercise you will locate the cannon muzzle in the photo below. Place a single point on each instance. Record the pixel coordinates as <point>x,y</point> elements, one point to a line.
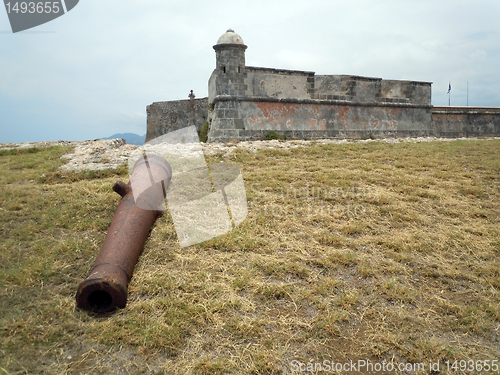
<point>142,202</point>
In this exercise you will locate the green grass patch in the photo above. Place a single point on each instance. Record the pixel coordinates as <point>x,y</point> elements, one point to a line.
<point>357,251</point>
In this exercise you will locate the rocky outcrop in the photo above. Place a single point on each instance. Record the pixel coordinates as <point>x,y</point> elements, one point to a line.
<point>95,155</point>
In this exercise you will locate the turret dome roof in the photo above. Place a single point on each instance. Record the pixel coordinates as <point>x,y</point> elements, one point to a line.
<point>230,37</point>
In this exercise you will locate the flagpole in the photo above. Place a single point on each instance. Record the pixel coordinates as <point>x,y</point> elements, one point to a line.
<point>467,93</point>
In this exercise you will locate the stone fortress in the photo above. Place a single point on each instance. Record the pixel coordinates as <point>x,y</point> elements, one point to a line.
<point>245,103</point>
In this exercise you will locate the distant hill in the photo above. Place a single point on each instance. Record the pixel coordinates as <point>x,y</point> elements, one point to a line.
<point>130,138</point>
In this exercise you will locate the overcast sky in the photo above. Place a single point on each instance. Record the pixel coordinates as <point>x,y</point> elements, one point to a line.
<point>92,72</point>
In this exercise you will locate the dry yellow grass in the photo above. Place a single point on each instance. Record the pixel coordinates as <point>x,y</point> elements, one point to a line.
<point>369,251</point>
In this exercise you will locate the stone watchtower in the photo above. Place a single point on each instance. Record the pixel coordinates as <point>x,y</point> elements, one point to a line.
<point>230,65</point>
<point>226,86</point>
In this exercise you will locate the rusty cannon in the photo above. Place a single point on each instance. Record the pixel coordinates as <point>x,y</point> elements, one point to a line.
<point>142,200</point>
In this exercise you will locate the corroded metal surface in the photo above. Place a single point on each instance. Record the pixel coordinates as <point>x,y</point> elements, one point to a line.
<point>106,287</point>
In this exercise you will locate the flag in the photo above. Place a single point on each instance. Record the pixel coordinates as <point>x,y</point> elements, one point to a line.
<point>449,87</point>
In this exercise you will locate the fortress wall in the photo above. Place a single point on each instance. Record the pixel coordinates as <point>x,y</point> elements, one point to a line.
<point>278,83</point>
<point>252,118</point>
<point>164,117</point>
<point>326,86</point>
<point>343,118</point>
<point>466,121</point>
<point>418,92</point>
<point>366,90</point>
<point>313,119</point>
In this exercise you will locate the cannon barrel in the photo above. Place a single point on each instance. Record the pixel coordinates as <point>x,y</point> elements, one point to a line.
<point>106,286</point>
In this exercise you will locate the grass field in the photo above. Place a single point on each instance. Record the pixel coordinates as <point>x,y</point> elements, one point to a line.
<point>363,251</point>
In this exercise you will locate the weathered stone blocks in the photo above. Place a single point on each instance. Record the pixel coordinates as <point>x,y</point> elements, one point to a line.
<point>164,117</point>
